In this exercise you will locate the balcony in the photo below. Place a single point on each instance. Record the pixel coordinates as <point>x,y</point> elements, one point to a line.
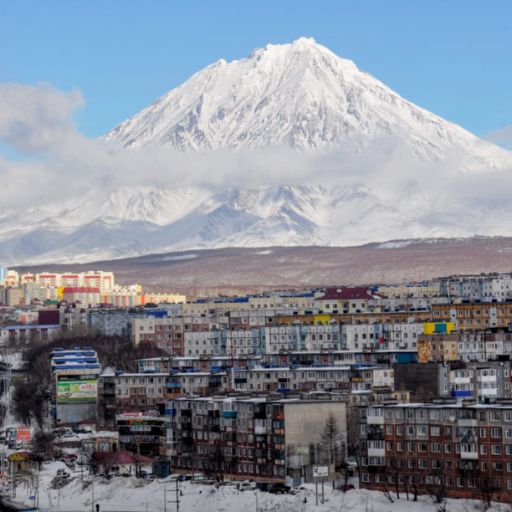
<point>376,452</point>
<point>486,378</point>
<point>469,452</point>
<point>260,430</point>
<point>375,420</point>
<point>467,422</point>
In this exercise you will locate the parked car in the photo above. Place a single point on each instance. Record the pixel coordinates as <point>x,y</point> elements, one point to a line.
<point>246,485</point>
<point>279,488</point>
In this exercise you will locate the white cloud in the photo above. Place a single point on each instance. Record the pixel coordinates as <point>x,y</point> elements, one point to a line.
<point>36,118</point>
<point>37,121</point>
<point>502,136</point>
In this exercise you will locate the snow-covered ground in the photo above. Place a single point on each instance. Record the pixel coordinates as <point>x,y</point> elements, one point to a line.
<point>131,494</point>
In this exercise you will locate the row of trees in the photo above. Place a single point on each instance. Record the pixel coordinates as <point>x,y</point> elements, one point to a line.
<point>397,479</point>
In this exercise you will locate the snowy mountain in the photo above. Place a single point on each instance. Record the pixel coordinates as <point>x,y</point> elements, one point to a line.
<point>300,95</point>
<point>380,168</point>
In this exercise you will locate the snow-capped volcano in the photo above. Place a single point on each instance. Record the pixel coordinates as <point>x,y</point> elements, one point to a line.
<point>300,95</point>
<point>376,168</point>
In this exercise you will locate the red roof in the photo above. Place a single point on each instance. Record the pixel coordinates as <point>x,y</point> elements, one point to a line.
<point>349,293</point>
<point>80,289</point>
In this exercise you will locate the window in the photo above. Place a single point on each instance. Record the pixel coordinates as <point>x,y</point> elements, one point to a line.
<point>496,449</point>
<point>421,430</point>
<point>435,431</point>
<point>496,432</point>
<point>483,449</point>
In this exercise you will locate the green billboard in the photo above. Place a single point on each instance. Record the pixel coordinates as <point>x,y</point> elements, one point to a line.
<point>77,391</point>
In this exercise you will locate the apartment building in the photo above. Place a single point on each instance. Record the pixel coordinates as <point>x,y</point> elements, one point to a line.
<point>464,448</point>
<point>397,337</point>
<point>285,380</point>
<point>490,286</point>
<point>474,316</point>
<point>141,391</point>
<point>413,290</point>
<point>110,321</point>
<point>251,437</point>
<point>18,335</point>
<point>197,383</point>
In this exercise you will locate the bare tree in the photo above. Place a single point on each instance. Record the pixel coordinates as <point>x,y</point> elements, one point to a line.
<point>43,446</point>
<point>438,491</point>
<point>354,442</point>
<point>331,441</point>
<point>487,489</point>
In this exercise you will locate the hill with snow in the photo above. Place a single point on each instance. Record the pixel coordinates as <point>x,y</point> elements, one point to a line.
<point>345,161</point>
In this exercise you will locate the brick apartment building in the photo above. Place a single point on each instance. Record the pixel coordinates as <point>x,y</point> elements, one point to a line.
<point>464,449</point>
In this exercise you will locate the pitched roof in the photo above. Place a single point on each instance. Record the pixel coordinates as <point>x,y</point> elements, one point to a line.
<point>349,293</point>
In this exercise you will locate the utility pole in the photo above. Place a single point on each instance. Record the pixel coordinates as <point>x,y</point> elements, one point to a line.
<point>92,493</point>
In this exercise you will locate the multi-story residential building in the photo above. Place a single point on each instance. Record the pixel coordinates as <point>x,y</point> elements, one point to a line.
<point>107,406</point>
<point>165,332</point>
<point>199,383</point>
<point>346,300</point>
<point>413,290</point>
<point>398,337</point>
<point>110,322</point>
<point>474,316</point>
<point>285,380</point>
<point>458,379</point>
<point>141,392</point>
<point>252,438</point>
<point>464,449</point>
<point>310,338</point>
<point>482,287</point>
<point>438,348</point>
<point>144,434</point>
<point>25,334</point>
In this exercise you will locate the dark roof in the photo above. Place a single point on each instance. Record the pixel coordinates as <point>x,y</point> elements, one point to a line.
<point>349,293</point>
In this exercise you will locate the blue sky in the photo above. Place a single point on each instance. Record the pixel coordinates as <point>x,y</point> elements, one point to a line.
<point>451,57</point>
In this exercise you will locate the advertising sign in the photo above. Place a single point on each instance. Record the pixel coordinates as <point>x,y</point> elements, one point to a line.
<point>76,391</point>
<point>22,434</point>
<point>320,471</point>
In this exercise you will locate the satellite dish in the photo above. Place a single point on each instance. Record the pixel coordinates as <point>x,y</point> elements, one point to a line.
<point>452,418</point>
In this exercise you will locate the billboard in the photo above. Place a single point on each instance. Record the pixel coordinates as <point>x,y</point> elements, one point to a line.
<point>76,391</point>
<point>23,434</point>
